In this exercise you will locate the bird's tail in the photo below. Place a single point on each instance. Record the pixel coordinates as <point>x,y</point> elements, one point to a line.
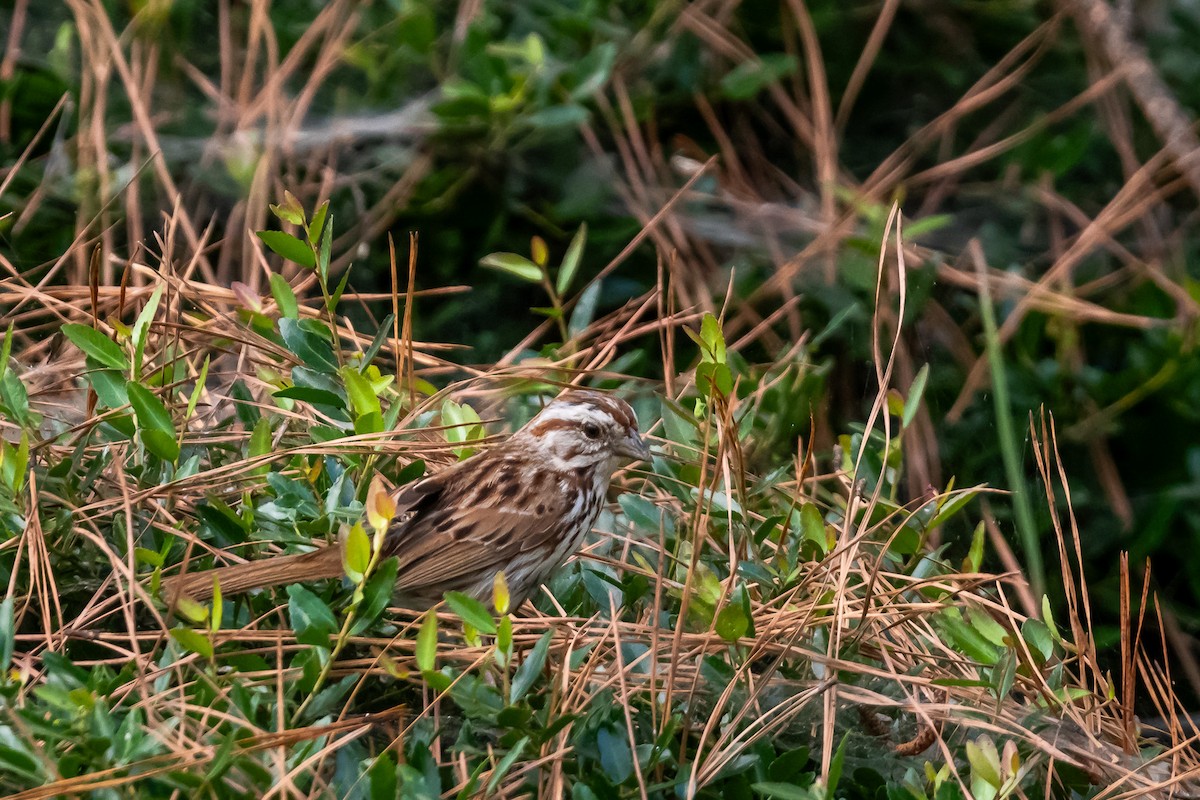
<point>276,571</point>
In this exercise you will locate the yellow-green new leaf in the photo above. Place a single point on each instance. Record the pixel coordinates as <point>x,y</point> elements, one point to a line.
<point>260,445</point>
<point>218,606</point>
<point>285,298</point>
<point>516,265</point>
<point>290,210</point>
<point>500,593</point>
<point>572,260</point>
<point>357,554</point>
<point>193,641</point>
<point>714,340</point>
<point>362,394</point>
<point>427,643</point>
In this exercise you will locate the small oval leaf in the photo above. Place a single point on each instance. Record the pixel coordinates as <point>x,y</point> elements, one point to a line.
<point>289,247</point>
<point>95,344</point>
<point>514,264</point>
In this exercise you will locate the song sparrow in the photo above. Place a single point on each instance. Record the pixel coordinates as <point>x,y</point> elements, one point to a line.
<point>523,507</point>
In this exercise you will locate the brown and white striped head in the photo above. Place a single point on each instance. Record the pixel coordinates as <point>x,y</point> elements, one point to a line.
<point>582,428</point>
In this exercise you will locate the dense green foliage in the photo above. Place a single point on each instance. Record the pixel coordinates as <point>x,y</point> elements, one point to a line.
<point>727,632</point>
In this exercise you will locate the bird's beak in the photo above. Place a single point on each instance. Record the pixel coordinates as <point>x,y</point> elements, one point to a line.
<point>633,446</point>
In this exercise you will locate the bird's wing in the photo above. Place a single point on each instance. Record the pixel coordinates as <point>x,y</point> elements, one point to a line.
<point>462,524</point>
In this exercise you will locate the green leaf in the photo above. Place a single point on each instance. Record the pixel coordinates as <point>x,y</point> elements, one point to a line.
<point>784,791</point>
<point>412,471</point>
<point>260,445</point>
<point>16,398</point>
<point>376,595</point>
<point>7,634</point>
<point>192,610</point>
<point>1048,617</point>
<point>615,758</point>
<point>714,378</point>
<point>150,410</point>
<point>385,330</point>
<point>289,210</point>
<point>325,251</point>
<point>19,762</point>
<point>109,386</point>
<point>915,392</point>
<point>6,350</point>
<point>732,623</point>
<point>974,557</point>
<point>369,423</point>
<point>310,341</point>
<point>789,764</point>
<point>642,512</point>
<point>472,612</point>
<point>812,527</point>
<point>193,641</point>
<point>95,344</point>
<point>596,68</point>
<point>985,761</point>
<point>504,641</point>
<point>18,465</point>
<point>585,309</point>
<point>195,398</point>
<point>926,224</point>
<point>311,619</point>
<point>513,264</point>
<point>567,115</point>
<point>381,778</point>
<point>154,422</point>
<point>951,507</point>
<point>505,765</point>
<point>356,555</point>
<point>330,698</point>
<point>317,226</point>
<point>529,671</point>
<point>141,327</point>
<point>988,627</point>
<point>426,651</point>
<point>160,444</point>
<point>289,247</point>
<point>285,298</point>
<point>572,260</point>
<point>332,302</point>
<point>835,767</point>
<point>362,394</point>
<point>462,425</point>
<point>712,338</point>
<point>146,556</point>
<point>751,77</point>
<point>318,397</point>
<point>1037,635</point>
<point>966,639</point>
<point>218,605</point>
<point>1004,675</point>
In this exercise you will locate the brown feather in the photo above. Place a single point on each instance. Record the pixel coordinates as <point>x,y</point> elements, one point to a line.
<point>323,563</point>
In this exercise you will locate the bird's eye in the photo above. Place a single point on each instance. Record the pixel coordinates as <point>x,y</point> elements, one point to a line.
<point>591,430</point>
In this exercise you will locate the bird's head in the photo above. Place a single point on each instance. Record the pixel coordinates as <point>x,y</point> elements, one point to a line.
<point>584,428</point>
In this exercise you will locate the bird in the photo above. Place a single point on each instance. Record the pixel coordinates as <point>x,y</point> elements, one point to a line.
<point>522,507</point>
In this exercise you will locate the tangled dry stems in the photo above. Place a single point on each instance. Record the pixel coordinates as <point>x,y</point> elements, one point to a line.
<point>866,636</point>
